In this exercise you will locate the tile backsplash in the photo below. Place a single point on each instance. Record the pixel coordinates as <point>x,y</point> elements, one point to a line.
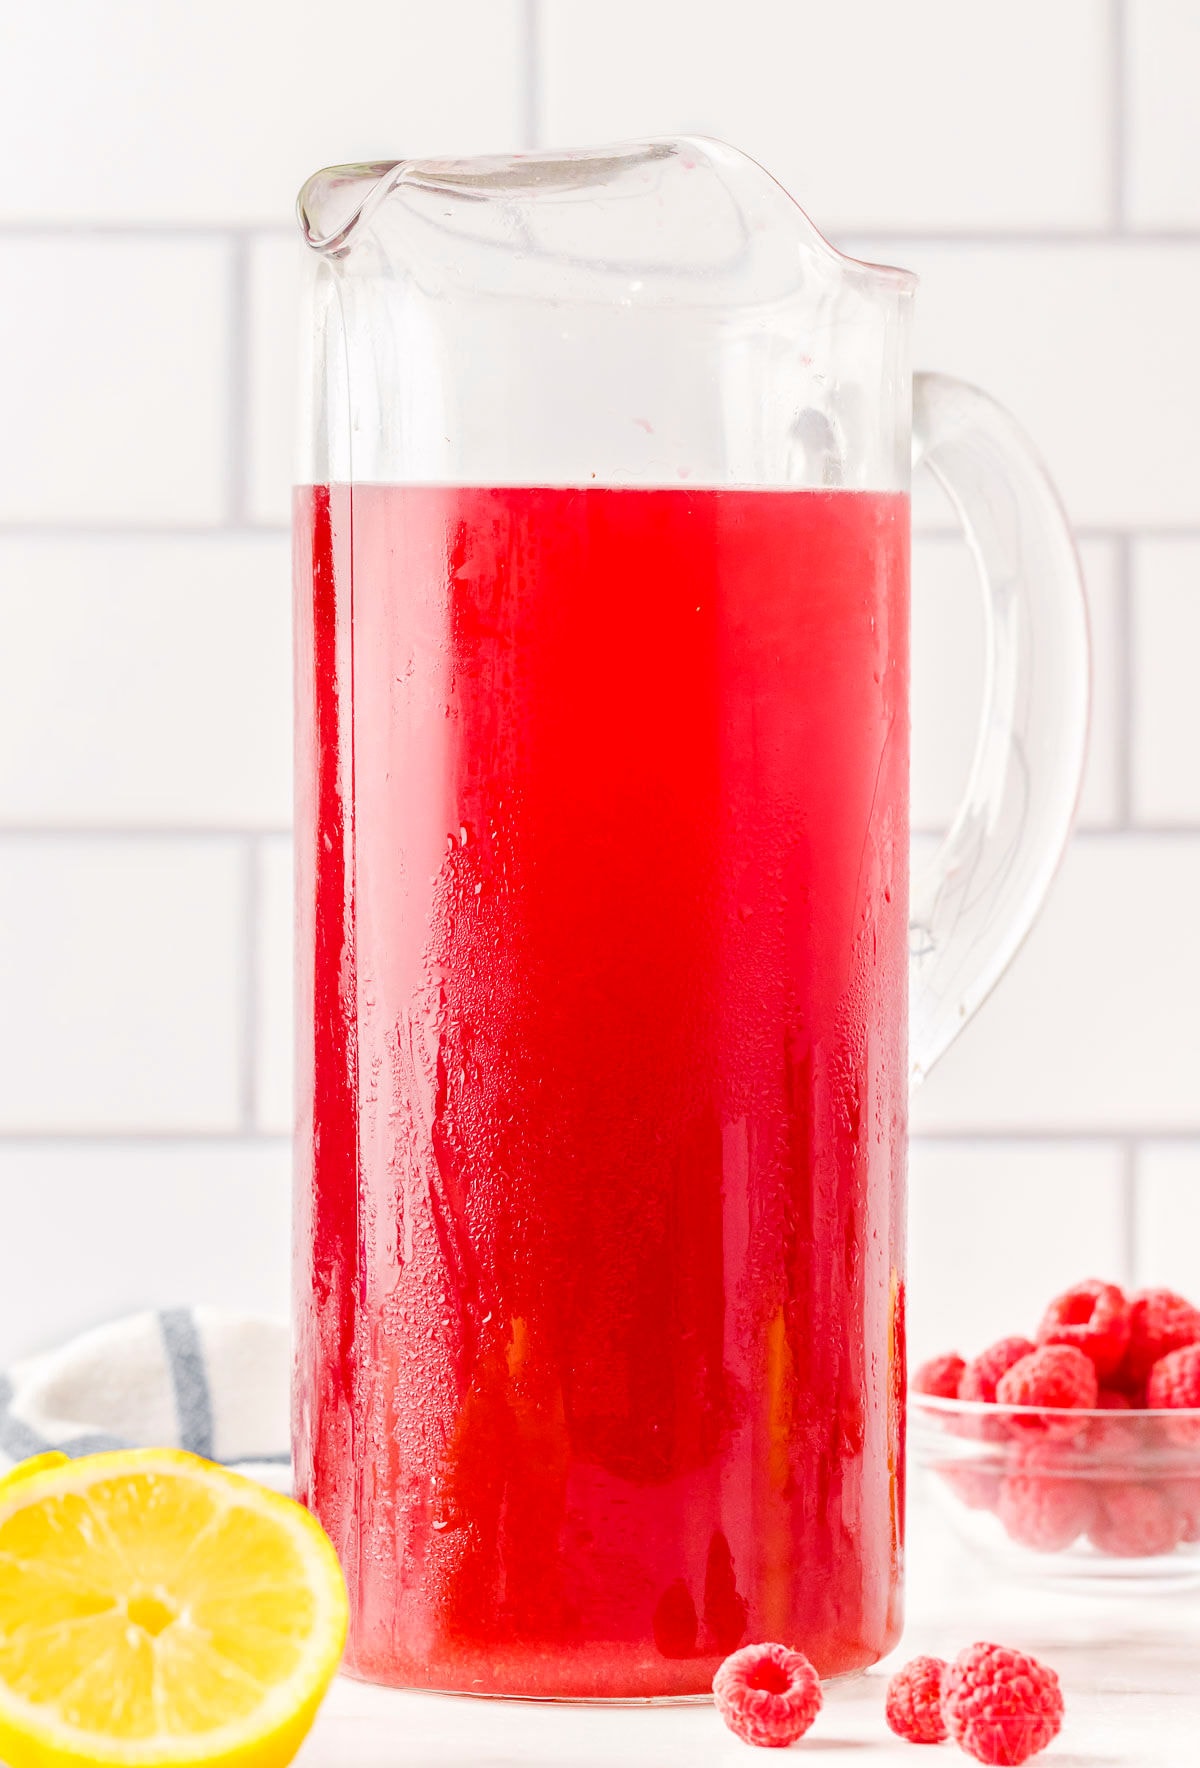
<point>1034,163</point>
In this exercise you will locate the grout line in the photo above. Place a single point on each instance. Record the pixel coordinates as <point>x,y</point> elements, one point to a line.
<point>1129,1214</point>
<point>857,239</point>
<point>531,73</point>
<point>845,238</point>
<point>224,531</point>
<point>1118,48</point>
<point>1130,1141</point>
<point>141,230</point>
<point>1091,531</point>
<point>237,466</point>
<point>1099,833</point>
<point>1125,683</point>
<point>16,1140</point>
<point>138,832</point>
<point>249,529</point>
<point>248,1030</point>
<point>1098,1138</point>
<point>252,530</point>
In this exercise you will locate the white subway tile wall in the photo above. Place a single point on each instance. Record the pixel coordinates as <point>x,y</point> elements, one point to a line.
<point>1166,1229</point>
<point>95,1231</point>
<point>273,983</point>
<point>1097,1024</point>
<point>146,682</point>
<point>962,1295</point>
<point>947,679</point>
<point>926,115</point>
<point>1035,164</point>
<point>1091,343</point>
<point>131,111</point>
<point>1163,119</point>
<point>117,389</point>
<point>274,360</point>
<point>1165,705</point>
<point>121,962</point>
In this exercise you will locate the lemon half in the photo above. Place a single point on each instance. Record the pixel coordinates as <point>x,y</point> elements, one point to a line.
<point>155,1608</point>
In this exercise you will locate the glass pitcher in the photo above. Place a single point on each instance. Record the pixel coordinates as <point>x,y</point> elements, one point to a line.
<point>605,937</point>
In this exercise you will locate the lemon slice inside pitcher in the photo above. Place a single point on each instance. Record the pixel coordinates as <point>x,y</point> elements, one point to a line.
<point>155,1608</point>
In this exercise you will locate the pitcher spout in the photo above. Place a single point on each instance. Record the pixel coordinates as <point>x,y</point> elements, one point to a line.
<point>333,201</point>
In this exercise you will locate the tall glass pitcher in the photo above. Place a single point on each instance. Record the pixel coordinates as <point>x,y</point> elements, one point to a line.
<point>605,925</point>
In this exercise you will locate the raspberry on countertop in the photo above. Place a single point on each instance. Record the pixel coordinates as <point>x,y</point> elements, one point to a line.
<point>767,1694</point>
<point>1001,1706</point>
<point>914,1701</point>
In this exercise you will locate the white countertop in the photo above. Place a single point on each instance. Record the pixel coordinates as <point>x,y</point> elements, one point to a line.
<point>1129,1666</point>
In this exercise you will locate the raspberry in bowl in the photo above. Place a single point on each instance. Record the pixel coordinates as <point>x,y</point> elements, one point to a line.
<point>1074,1457</point>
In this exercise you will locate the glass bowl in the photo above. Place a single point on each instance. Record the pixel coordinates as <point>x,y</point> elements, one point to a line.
<point>1105,1497</point>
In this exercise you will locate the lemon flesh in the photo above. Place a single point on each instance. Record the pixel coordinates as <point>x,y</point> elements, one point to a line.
<point>155,1608</point>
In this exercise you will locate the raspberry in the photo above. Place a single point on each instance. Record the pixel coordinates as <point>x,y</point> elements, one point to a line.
<point>979,1378</point>
<point>1042,1504</point>
<point>1057,1376</point>
<point>1176,1379</point>
<point>1160,1322</point>
<point>1174,1383</point>
<point>1135,1522</point>
<point>1185,1501</point>
<point>1094,1318</point>
<point>940,1377</point>
<point>914,1701</point>
<point>976,1487</point>
<point>979,1381</point>
<point>1120,1435</point>
<point>1001,1706</point>
<point>1110,1399</point>
<point>767,1694</point>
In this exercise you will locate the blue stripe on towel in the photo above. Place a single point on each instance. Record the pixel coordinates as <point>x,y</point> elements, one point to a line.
<point>189,1378</point>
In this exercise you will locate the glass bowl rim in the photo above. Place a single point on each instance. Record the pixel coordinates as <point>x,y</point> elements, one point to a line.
<point>946,1408</point>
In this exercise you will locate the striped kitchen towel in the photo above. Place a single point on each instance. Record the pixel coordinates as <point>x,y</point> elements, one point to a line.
<point>188,1378</point>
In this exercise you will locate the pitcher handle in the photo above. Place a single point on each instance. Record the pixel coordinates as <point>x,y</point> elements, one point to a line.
<point>973,904</point>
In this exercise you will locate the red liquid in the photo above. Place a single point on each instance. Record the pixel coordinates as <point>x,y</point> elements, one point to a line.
<point>603,844</point>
